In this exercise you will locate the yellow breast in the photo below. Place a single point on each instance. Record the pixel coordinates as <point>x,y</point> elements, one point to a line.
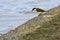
<point>40,12</point>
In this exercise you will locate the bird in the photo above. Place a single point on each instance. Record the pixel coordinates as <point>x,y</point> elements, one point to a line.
<point>39,11</point>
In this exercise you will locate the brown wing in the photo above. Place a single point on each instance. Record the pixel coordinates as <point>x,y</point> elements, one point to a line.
<point>40,10</point>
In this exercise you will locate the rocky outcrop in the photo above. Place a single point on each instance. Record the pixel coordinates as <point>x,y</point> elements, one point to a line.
<point>31,25</point>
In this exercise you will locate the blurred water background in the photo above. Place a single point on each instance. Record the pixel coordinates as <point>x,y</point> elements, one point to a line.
<point>16,12</point>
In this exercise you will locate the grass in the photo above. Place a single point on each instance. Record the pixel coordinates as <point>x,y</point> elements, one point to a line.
<point>48,31</point>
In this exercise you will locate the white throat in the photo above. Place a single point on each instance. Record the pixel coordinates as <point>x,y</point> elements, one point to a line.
<point>34,10</point>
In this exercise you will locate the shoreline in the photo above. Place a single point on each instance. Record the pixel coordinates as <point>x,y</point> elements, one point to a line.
<point>31,25</point>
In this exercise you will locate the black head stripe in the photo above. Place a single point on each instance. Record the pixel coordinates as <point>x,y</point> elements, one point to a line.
<point>33,9</point>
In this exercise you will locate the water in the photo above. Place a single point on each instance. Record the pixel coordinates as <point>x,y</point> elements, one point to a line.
<point>16,12</point>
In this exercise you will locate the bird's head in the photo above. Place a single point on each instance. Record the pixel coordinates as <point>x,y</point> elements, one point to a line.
<point>33,9</point>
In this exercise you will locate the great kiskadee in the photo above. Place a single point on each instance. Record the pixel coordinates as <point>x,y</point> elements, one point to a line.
<point>39,11</point>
